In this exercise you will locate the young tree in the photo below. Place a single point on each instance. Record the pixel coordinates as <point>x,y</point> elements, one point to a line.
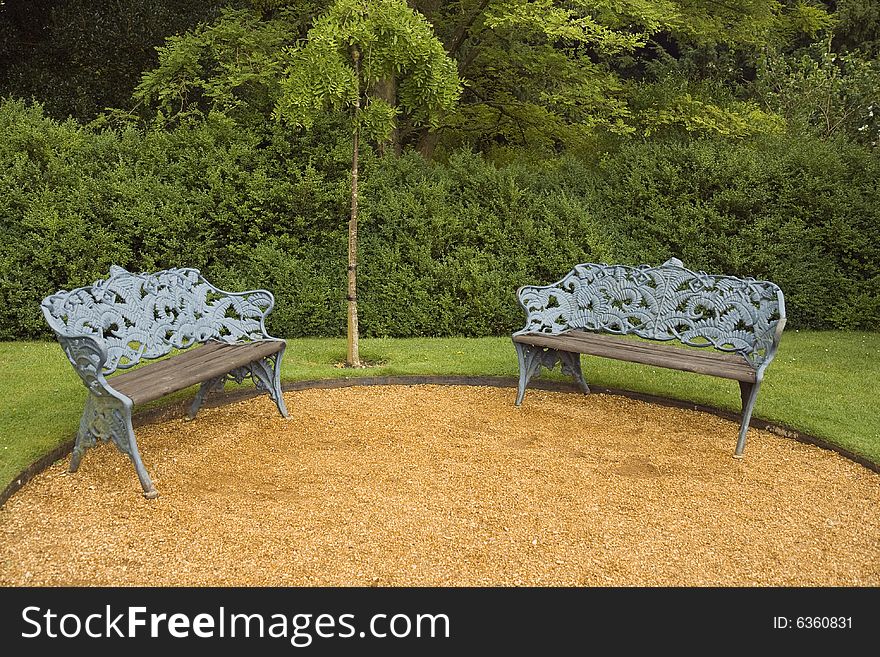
<point>349,51</point>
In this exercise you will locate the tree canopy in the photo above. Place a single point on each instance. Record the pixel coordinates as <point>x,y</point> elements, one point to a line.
<point>537,74</point>
<point>390,41</point>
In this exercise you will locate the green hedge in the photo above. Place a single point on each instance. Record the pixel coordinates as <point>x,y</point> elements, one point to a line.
<point>443,246</point>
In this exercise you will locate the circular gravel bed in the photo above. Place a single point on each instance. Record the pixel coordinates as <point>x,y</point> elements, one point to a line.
<point>448,485</point>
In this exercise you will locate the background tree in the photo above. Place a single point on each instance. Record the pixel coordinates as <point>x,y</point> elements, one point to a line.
<point>233,65</point>
<point>550,74</point>
<point>857,26</point>
<point>827,93</point>
<point>350,49</point>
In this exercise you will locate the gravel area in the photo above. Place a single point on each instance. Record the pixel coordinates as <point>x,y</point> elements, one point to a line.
<point>448,485</point>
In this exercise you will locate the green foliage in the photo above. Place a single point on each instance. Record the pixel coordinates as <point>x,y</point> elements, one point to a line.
<point>446,246</point>
<point>73,201</point>
<point>555,75</point>
<point>546,75</point>
<point>387,39</point>
<point>231,65</point>
<point>443,246</point>
<point>796,211</point>
<point>804,18</point>
<point>575,23</point>
<point>825,92</point>
<point>529,85</point>
<point>857,26</point>
<point>537,72</point>
<point>676,105</point>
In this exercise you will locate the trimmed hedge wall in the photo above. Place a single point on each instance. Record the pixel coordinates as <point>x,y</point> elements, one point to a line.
<point>443,245</point>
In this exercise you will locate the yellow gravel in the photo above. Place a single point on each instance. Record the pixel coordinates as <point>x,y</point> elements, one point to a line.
<point>448,485</point>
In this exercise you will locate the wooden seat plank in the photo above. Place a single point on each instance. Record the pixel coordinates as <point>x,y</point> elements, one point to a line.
<point>202,364</point>
<point>193,356</point>
<point>195,352</point>
<point>724,365</point>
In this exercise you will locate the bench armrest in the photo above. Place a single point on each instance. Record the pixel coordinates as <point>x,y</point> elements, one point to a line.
<point>769,339</point>
<point>252,307</point>
<point>88,356</point>
<point>541,317</point>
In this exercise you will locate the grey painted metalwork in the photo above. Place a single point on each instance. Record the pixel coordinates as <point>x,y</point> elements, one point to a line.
<point>532,359</point>
<point>139,316</point>
<point>123,319</point>
<point>660,303</point>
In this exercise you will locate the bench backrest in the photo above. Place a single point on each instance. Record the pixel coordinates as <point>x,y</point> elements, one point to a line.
<point>667,302</point>
<point>144,316</point>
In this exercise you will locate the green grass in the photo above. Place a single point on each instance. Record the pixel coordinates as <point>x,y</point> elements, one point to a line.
<point>823,383</point>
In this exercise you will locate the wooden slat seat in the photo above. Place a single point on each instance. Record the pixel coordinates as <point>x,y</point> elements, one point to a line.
<point>186,369</point>
<point>728,366</point>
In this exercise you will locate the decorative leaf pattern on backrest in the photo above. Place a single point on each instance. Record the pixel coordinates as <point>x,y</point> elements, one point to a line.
<point>667,302</point>
<point>138,316</point>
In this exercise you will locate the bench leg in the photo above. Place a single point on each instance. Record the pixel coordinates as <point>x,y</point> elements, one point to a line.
<point>109,418</point>
<point>530,359</point>
<point>748,393</point>
<point>571,365</point>
<point>275,391</point>
<point>266,375</point>
<point>210,385</point>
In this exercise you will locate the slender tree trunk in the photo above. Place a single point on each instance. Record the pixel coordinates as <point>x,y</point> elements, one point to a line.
<point>353,359</point>
<point>427,142</point>
<point>386,89</point>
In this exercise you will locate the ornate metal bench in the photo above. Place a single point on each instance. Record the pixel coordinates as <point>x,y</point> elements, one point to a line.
<point>595,308</point>
<point>120,321</point>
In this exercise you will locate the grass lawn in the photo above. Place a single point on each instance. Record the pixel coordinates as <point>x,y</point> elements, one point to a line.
<point>824,383</point>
